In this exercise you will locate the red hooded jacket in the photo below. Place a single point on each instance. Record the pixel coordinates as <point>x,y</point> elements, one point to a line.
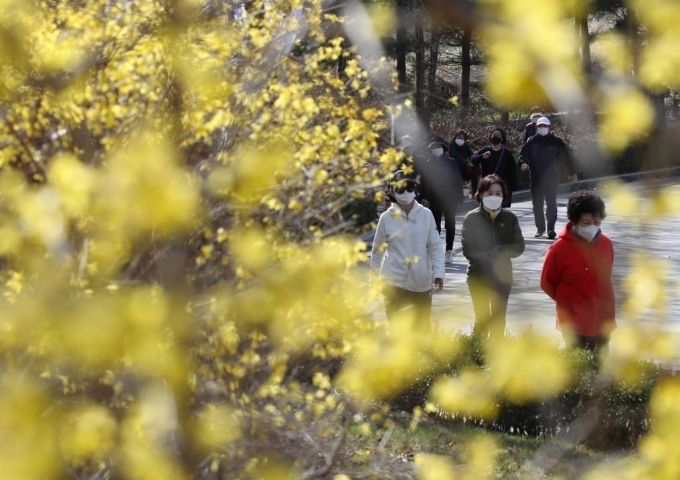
<point>578,276</point>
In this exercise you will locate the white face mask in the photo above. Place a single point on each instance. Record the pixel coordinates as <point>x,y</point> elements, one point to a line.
<point>437,152</point>
<point>460,142</point>
<point>543,131</point>
<point>405,198</point>
<point>492,203</point>
<point>588,232</point>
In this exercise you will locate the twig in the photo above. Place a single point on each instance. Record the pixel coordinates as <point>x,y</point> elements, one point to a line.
<point>335,452</point>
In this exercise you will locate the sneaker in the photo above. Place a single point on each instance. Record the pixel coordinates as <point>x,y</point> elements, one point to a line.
<point>539,234</point>
<point>551,234</point>
<point>448,256</point>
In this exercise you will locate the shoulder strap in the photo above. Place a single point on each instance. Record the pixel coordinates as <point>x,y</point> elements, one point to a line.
<point>500,159</point>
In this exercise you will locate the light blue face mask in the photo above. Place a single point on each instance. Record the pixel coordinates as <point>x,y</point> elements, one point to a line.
<point>492,203</point>
<point>588,232</point>
<point>405,198</point>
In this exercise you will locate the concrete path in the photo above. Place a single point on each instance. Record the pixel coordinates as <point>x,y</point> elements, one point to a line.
<point>530,308</point>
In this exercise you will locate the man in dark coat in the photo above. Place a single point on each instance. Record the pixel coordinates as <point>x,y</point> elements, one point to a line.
<point>541,155</point>
<point>441,186</point>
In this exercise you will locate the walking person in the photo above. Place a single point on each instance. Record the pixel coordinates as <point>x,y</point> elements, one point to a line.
<point>530,130</point>
<point>460,147</point>
<point>491,237</point>
<point>577,275</point>
<point>407,252</point>
<point>497,159</point>
<point>441,187</point>
<point>541,156</point>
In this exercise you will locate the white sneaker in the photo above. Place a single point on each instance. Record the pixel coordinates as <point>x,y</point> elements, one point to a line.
<point>448,256</point>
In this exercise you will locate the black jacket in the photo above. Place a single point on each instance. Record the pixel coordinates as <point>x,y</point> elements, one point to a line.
<point>505,167</point>
<point>543,155</point>
<point>490,244</point>
<point>440,181</point>
<point>465,152</point>
<point>529,131</point>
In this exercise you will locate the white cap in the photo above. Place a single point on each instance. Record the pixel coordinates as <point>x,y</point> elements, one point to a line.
<point>543,121</point>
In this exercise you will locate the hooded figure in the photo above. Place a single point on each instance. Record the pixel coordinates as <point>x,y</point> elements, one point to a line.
<point>441,187</point>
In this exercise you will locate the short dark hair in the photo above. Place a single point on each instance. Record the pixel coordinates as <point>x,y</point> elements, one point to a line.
<point>486,183</point>
<point>504,137</point>
<point>585,201</point>
<point>460,132</point>
<point>535,109</point>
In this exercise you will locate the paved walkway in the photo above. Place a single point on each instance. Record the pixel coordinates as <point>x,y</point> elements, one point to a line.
<point>530,308</point>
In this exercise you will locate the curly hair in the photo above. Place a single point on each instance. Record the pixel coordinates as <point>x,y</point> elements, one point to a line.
<point>582,202</point>
<point>486,183</point>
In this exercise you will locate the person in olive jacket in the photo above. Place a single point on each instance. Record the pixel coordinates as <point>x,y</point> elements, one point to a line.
<point>577,275</point>
<point>491,237</point>
<point>497,159</point>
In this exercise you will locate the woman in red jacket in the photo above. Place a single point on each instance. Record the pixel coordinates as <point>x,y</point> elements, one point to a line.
<point>577,274</point>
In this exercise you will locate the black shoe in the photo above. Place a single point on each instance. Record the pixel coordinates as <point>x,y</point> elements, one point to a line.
<point>539,234</point>
<point>551,234</point>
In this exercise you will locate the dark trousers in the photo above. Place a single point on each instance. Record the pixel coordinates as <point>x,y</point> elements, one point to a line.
<point>545,192</point>
<point>449,214</point>
<point>507,200</point>
<point>490,302</point>
<point>399,301</point>
<point>598,345</point>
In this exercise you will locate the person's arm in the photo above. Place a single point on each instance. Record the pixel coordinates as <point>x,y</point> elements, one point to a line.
<point>423,194</point>
<point>468,151</point>
<point>379,245</point>
<point>457,157</point>
<point>516,248</point>
<point>512,171</point>
<point>477,158</point>
<point>550,275</point>
<point>436,253</point>
<point>568,159</point>
<point>524,161</point>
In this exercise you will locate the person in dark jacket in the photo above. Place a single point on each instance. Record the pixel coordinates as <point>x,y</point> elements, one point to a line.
<point>491,237</point>
<point>541,156</point>
<point>460,147</point>
<point>497,159</point>
<point>577,275</point>
<point>441,187</point>
<point>530,130</point>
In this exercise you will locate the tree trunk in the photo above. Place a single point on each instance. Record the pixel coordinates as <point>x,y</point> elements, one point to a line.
<point>432,73</point>
<point>505,118</point>
<point>633,38</point>
<point>465,71</point>
<point>585,44</point>
<point>401,45</point>
<point>420,62</point>
<point>342,65</point>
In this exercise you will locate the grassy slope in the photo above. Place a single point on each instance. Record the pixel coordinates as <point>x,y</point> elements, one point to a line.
<point>517,456</point>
